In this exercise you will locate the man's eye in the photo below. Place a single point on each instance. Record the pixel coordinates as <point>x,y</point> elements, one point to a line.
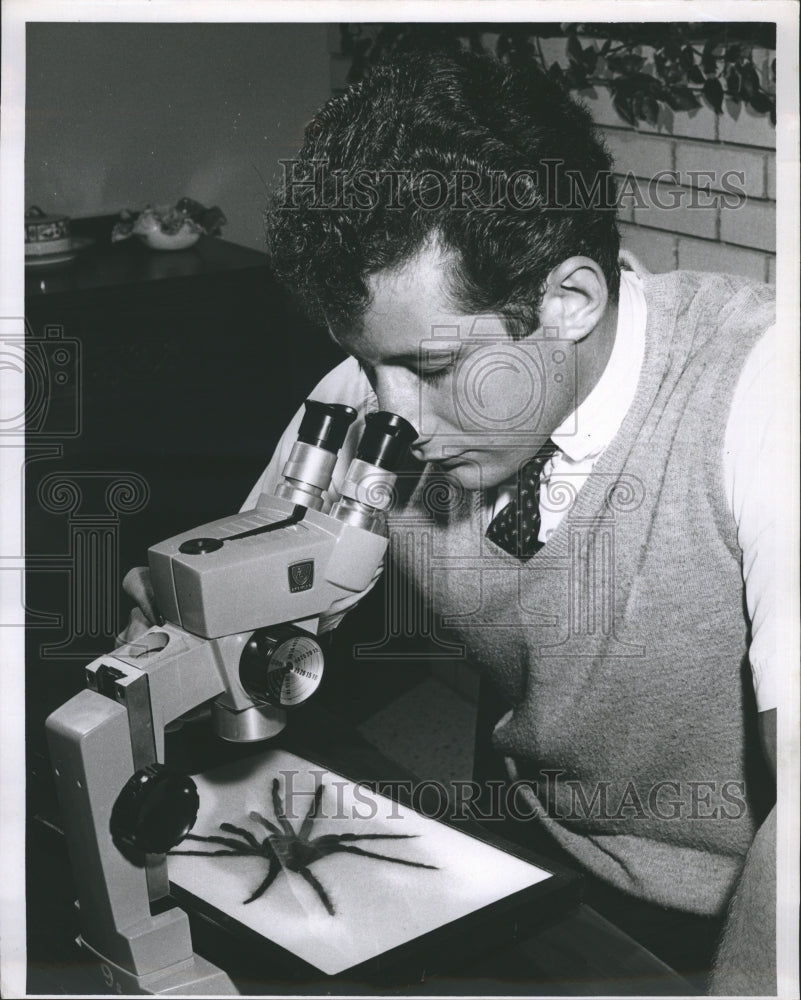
<point>435,375</point>
<point>436,365</point>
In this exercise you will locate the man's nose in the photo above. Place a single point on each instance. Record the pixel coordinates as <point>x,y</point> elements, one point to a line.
<point>397,391</point>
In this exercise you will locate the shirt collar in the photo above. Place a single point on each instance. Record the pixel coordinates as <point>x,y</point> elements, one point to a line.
<point>593,424</point>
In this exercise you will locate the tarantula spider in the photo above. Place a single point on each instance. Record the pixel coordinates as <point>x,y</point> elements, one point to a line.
<point>283,848</point>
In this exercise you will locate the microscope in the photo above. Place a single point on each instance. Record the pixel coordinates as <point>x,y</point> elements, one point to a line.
<point>241,599</point>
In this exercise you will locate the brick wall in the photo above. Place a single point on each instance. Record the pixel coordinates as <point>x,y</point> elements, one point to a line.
<point>709,229</point>
<point>722,220</point>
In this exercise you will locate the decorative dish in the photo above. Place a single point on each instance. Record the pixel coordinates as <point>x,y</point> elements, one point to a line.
<point>164,227</point>
<point>68,251</point>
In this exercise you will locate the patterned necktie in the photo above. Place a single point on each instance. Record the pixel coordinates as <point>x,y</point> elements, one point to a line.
<point>516,527</point>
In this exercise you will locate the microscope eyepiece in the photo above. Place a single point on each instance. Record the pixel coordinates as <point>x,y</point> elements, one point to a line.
<point>385,440</point>
<point>325,425</point>
<point>368,489</point>
<point>322,432</point>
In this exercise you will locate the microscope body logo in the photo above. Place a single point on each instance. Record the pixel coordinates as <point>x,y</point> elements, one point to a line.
<point>301,576</point>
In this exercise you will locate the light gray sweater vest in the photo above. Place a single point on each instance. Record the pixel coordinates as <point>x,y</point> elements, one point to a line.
<point>622,645</point>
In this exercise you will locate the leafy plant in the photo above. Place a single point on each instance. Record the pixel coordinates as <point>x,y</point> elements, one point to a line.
<point>645,66</point>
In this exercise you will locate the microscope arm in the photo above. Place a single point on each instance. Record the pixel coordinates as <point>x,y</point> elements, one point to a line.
<point>98,740</point>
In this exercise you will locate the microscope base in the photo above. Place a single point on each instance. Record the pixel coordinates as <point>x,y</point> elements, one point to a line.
<point>195,977</point>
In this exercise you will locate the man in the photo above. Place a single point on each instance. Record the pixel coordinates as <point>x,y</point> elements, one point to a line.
<point>453,225</point>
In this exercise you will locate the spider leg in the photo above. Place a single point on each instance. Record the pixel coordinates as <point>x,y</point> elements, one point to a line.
<point>339,837</point>
<point>257,816</point>
<point>215,854</point>
<point>380,857</point>
<point>225,841</point>
<point>272,874</point>
<point>311,815</point>
<point>278,809</point>
<point>245,834</point>
<point>315,884</point>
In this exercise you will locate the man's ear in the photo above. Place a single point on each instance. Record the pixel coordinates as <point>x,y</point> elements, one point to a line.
<point>575,298</point>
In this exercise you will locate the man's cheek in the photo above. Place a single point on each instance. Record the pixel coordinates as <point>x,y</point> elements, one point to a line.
<point>499,387</point>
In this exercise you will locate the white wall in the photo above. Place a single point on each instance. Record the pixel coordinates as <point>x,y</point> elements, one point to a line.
<point>119,115</point>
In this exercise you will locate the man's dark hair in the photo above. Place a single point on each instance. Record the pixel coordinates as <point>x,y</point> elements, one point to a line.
<point>500,167</point>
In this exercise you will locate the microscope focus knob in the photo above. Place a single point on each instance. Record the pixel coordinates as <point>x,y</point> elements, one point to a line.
<point>155,810</point>
<point>281,665</point>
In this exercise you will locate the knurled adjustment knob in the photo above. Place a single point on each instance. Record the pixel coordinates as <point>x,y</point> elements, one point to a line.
<point>155,810</point>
